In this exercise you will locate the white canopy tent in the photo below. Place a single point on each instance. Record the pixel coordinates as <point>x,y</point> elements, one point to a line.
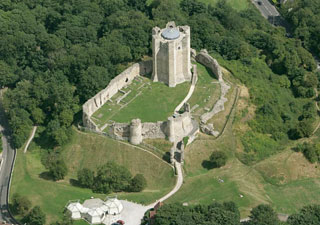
<point>95,216</point>
<point>96,211</point>
<point>75,210</point>
<point>114,206</point>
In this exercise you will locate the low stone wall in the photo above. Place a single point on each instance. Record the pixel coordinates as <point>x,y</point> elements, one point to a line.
<point>204,58</point>
<point>175,129</point>
<point>119,82</point>
<point>154,130</point>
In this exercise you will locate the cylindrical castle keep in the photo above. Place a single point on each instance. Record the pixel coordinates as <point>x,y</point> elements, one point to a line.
<point>171,54</point>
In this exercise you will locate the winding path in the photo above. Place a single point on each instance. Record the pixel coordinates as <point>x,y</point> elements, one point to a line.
<point>193,85</point>
<point>175,189</point>
<point>34,129</point>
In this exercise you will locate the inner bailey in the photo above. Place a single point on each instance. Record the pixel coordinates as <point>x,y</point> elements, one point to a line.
<point>171,54</point>
<point>116,84</point>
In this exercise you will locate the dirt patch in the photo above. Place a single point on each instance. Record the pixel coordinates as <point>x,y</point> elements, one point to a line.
<point>245,110</point>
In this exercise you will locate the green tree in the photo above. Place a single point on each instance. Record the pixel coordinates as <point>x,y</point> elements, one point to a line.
<point>138,183</point>
<point>86,178</point>
<point>308,215</point>
<point>263,215</point>
<point>7,75</point>
<point>218,159</point>
<point>112,177</point>
<point>20,204</point>
<point>193,7</point>
<point>58,169</point>
<point>35,217</point>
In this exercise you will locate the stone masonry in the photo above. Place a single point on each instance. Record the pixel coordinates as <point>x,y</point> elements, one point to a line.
<point>171,54</point>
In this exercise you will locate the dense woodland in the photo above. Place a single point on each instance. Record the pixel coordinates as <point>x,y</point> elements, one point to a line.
<point>304,17</point>
<point>54,55</point>
<point>228,214</point>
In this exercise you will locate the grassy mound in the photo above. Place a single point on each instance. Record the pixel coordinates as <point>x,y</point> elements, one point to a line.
<point>87,150</point>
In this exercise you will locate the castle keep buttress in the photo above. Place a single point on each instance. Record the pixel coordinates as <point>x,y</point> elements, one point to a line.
<point>171,54</point>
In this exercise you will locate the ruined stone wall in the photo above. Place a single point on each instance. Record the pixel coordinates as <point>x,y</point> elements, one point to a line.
<point>179,126</point>
<point>120,81</point>
<point>175,128</point>
<point>205,59</point>
<point>120,131</point>
<point>154,130</point>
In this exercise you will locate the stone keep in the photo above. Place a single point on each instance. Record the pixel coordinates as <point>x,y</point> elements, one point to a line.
<point>171,54</point>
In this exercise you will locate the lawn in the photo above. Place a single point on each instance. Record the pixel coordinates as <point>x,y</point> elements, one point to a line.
<point>285,180</point>
<point>87,150</point>
<point>151,102</point>
<point>206,93</point>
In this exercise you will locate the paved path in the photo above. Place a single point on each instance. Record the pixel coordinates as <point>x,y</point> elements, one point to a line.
<point>175,189</point>
<point>8,157</point>
<point>34,129</point>
<point>133,213</point>
<point>193,85</point>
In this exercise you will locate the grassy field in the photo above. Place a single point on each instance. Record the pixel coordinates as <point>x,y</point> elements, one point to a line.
<point>286,180</point>
<point>155,102</point>
<point>87,150</point>
<point>206,93</point>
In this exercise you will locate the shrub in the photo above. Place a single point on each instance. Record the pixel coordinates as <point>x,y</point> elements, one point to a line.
<point>310,151</point>
<point>262,215</point>
<point>58,169</point>
<point>112,177</point>
<point>20,204</point>
<point>86,178</point>
<point>218,159</point>
<point>35,217</point>
<point>138,183</point>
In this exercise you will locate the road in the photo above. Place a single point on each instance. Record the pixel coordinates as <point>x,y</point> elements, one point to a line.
<point>270,12</point>
<point>8,156</point>
<point>266,8</point>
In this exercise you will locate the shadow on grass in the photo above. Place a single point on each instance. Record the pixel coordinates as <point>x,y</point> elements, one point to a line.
<point>166,157</point>
<point>74,182</point>
<point>207,165</point>
<point>46,176</point>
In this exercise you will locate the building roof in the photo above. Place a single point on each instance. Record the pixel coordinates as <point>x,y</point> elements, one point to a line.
<point>95,212</point>
<point>114,206</point>
<point>170,33</point>
<point>93,203</point>
<point>75,207</point>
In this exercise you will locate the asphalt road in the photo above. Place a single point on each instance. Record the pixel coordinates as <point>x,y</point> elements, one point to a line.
<point>266,8</point>
<point>270,12</point>
<point>8,156</point>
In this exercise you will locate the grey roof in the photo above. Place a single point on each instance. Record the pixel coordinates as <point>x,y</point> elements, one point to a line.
<point>170,33</point>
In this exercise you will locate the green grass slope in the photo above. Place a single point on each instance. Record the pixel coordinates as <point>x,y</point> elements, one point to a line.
<point>87,150</point>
